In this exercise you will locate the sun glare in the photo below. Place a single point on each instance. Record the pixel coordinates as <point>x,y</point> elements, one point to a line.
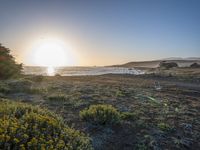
<point>50,53</point>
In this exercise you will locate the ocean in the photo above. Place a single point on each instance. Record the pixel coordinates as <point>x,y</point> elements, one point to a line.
<point>79,71</point>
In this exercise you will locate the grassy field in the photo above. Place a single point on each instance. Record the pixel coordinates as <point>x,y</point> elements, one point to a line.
<point>165,116</point>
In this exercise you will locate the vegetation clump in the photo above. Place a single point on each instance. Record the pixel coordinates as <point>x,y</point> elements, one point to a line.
<point>59,98</point>
<point>195,65</point>
<point>101,114</point>
<point>129,116</point>
<point>4,88</point>
<point>28,127</point>
<point>37,78</point>
<point>20,85</point>
<point>164,126</point>
<point>167,65</point>
<point>8,67</point>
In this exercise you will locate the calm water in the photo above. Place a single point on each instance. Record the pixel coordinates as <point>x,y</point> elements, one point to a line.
<point>78,71</point>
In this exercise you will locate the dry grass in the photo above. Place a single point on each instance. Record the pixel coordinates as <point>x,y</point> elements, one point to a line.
<point>161,119</point>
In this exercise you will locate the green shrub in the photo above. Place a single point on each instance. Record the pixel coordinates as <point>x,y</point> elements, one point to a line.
<point>57,75</point>
<point>28,127</point>
<point>164,126</point>
<point>128,116</point>
<point>20,85</point>
<point>37,78</point>
<point>101,114</point>
<point>59,98</point>
<point>4,88</point>
<point>37,90</point>
<point>141,146</point>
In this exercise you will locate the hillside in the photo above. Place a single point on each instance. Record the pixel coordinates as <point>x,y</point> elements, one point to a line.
<point>155,63</point>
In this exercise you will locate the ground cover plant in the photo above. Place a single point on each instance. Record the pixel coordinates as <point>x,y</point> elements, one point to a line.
<point>24,126</point>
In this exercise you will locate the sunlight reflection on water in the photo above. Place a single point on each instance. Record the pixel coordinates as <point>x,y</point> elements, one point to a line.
<point>79,71</point>
<point>50,71</point>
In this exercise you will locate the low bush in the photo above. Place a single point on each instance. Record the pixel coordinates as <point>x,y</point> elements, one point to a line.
<point>38,78</point>
<point>128,116</point>
<point>28,127</point>
<point>4,88</point>
<point>195,65</point>
<point>101,114</point>
<point>164,126</point>
<point>168,65</point>
<point>20,85</point>
<point>35,90</point>
<point>57,75</point>
<point>59,98</point>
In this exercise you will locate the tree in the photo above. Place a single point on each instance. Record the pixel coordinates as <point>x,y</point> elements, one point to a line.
<point>8,66</point>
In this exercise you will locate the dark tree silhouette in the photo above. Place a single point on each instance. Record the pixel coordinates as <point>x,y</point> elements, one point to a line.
<point>8,66</point>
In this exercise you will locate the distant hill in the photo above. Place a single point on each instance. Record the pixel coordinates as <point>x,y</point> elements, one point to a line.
<point>180,58</point>
<point>182,62</point>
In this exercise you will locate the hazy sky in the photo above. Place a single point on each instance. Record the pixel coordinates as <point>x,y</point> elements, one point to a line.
<point>103,32</point>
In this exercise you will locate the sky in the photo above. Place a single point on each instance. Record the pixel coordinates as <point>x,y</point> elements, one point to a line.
<point>103,32</point>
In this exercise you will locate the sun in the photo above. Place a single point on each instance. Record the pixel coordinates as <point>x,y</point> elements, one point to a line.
<point>50,53</point>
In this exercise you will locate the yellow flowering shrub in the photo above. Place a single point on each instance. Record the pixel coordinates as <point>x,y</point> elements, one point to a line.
<point>24,127</point>
<point>101,114</point>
